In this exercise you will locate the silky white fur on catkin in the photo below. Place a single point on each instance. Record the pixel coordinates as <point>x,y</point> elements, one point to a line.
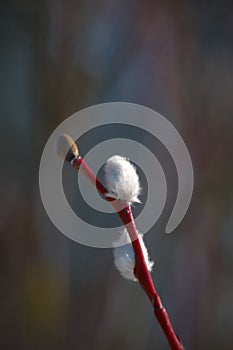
<point>121,180</point>
<point>124,257</point>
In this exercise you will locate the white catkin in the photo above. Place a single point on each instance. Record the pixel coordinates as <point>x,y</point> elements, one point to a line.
<point>124,257</point>
<point>121,180</point>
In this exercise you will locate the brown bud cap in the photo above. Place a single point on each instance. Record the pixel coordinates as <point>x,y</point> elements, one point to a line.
<point>66,147</point>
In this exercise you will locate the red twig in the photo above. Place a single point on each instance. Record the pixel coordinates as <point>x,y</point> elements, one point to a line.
<point>141,271</point>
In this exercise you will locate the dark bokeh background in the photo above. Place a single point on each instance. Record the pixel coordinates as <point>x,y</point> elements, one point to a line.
<point>58,57</point>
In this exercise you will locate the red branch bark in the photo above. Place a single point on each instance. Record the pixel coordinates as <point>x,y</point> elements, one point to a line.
<point>141,271</point>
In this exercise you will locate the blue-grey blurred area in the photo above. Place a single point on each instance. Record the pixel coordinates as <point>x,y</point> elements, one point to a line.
<point>59,56</point>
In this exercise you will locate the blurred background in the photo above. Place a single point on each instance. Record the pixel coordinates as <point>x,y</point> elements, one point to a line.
<point>58,57</point>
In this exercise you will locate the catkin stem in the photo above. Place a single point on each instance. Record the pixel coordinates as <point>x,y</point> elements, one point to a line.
<point>141,271</point>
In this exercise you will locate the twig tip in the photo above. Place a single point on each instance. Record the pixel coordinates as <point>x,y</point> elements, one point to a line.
<point>66,147</point>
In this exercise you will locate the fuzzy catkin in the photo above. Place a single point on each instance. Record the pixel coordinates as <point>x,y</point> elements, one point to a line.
<point>121,180</point>
<point>124,257</point>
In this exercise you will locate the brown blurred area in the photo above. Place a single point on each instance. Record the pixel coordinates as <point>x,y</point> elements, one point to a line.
<point>58,57</point>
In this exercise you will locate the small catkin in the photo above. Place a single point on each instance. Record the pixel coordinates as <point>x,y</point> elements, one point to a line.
<point>124,257</point>
<point>121,180</point>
